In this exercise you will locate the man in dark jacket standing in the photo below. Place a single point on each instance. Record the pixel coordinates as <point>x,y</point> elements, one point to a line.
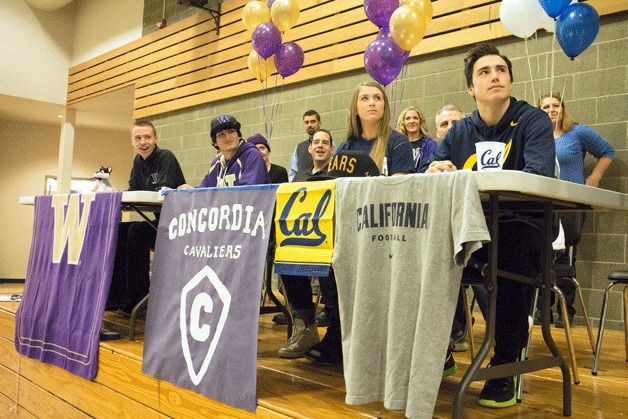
<point>528,136</point>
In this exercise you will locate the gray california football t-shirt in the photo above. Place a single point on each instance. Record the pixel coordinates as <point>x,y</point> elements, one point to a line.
<point>401,245</point>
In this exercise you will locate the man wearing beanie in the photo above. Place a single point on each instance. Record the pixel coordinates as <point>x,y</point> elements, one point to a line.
<point>239,163</point>
<point>278,174</point>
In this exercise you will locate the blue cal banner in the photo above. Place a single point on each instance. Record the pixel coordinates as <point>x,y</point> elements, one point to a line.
<point>203,310</point>
<point>304,228</point>
<point>68,278</point>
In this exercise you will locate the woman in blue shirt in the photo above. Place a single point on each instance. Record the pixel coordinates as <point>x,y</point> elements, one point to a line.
<point>573,141</point>
<point>370,131</point>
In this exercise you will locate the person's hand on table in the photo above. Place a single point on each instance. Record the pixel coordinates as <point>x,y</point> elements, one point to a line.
<point>185,186</point>
<point>441,166</point>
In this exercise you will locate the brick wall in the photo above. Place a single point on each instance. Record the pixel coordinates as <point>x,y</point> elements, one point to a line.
<point>594,88</point>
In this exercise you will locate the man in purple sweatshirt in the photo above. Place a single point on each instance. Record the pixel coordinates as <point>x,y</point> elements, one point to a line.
<point>239,162</point>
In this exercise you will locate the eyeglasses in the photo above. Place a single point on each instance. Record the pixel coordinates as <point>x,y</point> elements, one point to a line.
<point>223,134</point>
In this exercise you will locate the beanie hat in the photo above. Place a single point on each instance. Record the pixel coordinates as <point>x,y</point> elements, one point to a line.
<point>224,122</point>
<point>258,139</point>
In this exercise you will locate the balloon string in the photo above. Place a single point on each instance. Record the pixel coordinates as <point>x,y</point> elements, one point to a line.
<point>392,101</point>
<point>562,96</point>
<point>404,73</point>
<point>552,66</point>
<point>259,66</point>
<point>490,7</point>
<point>264,109</point>
<point>530,69</point>
<point>275,105</point>
<point>272,111</point>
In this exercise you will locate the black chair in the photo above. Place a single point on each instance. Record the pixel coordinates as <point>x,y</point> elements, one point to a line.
<point>572,223</point>
<point>616,278</point>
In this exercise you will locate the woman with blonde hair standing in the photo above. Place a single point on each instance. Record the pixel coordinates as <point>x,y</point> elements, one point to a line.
<point>412,123</point>
<point>370,131</point>
<point>573,141</point>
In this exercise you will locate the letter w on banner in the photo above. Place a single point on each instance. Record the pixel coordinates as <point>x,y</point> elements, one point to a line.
<point>203,310</point>
<point>304,228</point>
<point>68,278</point>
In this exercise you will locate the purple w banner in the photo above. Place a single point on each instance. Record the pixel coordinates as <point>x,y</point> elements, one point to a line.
<point>203,310</point>
<point>67,280</point>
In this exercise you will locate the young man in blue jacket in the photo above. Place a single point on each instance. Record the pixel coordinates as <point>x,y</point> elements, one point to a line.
<point>529,141</point>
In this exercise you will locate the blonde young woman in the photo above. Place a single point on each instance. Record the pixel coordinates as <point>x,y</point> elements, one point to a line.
<point>573,141</point>
<point>370,131</point>
<point>412,123</point>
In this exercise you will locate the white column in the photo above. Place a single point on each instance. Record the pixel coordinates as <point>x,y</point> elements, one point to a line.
<point>66,151</point>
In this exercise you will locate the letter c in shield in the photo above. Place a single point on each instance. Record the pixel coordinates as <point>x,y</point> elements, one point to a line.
<point>197,331</point>
<point>201,302</point>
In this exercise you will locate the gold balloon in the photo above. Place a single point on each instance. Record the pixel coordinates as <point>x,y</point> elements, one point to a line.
<point>406,27</point>
<point>255,13</point>
<point>284,14</point>
<point>261,68</point>
<point>424,7</point>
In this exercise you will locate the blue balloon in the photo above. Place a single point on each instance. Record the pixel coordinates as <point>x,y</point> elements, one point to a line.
<point>553,8</point>
<point>576,28</point>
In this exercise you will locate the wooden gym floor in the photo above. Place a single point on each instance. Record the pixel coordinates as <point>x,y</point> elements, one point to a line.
<point>285,388</point>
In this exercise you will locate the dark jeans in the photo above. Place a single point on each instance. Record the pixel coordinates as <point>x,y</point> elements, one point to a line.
<point>299,292</point>
<point>520,247</point>
<point>130,280</point>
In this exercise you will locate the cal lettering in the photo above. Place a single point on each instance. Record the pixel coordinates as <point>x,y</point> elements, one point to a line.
<point>301,228</point>
<point>70,227</point>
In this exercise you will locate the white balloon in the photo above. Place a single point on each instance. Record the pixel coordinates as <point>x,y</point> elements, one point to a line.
<point>520,17</point>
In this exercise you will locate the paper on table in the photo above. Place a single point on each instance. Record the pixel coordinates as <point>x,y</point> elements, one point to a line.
<point>14,297</point>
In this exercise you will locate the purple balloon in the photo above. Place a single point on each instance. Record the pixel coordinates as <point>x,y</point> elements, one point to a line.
<point>576,28</point>
<point>266,39</point>
<point>384,34</point>
<point>270,3</point>
<point>383,60</point>
<point>289,58</point>
<point>554,7</point>
<point>379,11</point>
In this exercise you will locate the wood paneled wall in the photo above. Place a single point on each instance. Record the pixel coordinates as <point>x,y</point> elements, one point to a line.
<point>187,64</point>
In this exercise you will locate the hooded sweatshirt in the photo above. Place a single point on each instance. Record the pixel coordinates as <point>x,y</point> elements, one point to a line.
<point>529,137</point>
<point>526,131</point>
<point>246,167</point>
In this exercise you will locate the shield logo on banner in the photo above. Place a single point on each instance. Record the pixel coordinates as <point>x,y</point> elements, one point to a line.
<point>196,304</point>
